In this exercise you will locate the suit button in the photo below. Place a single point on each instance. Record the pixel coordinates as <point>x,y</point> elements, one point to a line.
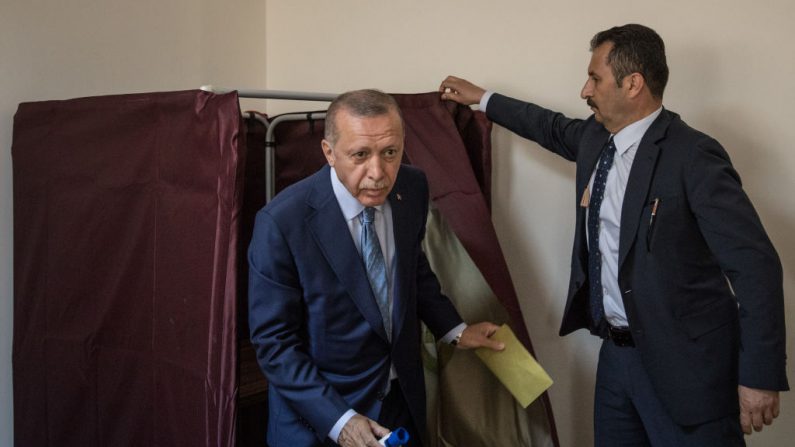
<point>380,395</point>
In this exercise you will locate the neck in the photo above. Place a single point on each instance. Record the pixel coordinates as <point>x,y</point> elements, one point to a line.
<point>637,114</point>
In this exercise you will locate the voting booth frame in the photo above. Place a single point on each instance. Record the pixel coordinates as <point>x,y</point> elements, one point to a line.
<point>132,214</point>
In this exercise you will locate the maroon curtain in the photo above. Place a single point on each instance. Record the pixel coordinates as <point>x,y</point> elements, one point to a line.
<point>125,232</point>
<point>452,144</point>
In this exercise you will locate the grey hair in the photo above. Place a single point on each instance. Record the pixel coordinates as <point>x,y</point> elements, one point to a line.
<point>359,103</point>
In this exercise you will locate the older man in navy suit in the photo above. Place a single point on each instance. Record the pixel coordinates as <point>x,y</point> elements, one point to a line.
<point>339,284</point>
<point>670,264</point>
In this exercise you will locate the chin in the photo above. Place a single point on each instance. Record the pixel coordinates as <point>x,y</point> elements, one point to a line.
<point>375,202</point>
<point>372,201</point>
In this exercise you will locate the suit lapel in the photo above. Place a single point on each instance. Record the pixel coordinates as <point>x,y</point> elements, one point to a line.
<point>331,233</point>
<point>589,158</point>
<point>401,225</point>
<point>640,177</point>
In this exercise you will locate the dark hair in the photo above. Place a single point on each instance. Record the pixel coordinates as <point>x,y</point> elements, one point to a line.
<point>636,48</point>
<point>359,103</point>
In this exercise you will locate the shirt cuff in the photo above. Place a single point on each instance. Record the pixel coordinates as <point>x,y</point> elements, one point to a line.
<point>484,101</point>
<point>450,336</point>
<point>334,434</point>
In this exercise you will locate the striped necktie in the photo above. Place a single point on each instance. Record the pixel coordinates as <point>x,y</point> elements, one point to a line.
<point>376,267</point>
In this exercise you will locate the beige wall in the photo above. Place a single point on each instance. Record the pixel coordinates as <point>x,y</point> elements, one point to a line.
<point>732,68</point>
<point>56,50</point>
<point>731,62</point>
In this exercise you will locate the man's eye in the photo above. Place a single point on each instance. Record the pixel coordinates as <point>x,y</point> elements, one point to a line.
<point>361,155</point>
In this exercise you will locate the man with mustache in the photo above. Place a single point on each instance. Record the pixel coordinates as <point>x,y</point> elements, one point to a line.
<point>662,222</point>
<point>338,286</point>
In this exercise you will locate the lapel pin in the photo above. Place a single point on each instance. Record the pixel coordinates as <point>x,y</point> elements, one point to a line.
<point>399,197</point>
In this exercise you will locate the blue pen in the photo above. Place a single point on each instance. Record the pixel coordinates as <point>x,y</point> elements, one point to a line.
<point>396,438</point>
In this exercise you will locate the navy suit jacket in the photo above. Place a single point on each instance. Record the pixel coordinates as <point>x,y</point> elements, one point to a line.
<point>314,322</point>
<point>698,336</point>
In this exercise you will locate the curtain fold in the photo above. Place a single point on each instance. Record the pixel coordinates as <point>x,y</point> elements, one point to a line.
<point>452,144</point>
<point>126,216</point>
<point>468,406</point>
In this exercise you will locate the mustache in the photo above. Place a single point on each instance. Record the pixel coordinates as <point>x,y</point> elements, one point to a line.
<point>374,185</point>
<point>591,103</point>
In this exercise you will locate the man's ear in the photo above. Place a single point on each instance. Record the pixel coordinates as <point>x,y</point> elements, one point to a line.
<point>634,83</point>
<point>328,151</point>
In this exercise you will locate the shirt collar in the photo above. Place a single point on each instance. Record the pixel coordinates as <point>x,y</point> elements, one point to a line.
<point>632,134</point>
<point>349,205</point>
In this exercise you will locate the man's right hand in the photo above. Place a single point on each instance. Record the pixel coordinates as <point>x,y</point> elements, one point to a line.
<point>461,91</point>
<point>361,432</point>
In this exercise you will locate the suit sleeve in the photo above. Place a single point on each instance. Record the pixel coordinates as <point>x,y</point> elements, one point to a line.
<point>552,130</point>
<point>735,235</point>
<point>276,319</point>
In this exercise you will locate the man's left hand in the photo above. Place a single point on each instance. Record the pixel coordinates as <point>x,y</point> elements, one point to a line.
<point>360,431</point>
<point>478,335</point>
<point>757,407</point>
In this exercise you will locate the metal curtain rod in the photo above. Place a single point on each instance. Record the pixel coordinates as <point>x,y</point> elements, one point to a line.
<point>270,146</point>
<point>272,94</point>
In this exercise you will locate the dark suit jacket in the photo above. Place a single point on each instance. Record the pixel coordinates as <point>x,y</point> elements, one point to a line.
<point>696,336</point>
<point>314,321</point>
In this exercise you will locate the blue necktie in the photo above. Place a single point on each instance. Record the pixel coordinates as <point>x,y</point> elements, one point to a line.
<point>376,268</point>
<point>594,256</point>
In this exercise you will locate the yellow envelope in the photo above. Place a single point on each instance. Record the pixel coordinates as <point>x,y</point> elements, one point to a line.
<point>515,367</point>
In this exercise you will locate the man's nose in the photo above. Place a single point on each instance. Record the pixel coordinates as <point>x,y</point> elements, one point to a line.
<point>586,92</point>
<point>375,168</point>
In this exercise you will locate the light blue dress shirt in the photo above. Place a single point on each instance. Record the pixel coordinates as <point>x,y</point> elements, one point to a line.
<point>627,141</point>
